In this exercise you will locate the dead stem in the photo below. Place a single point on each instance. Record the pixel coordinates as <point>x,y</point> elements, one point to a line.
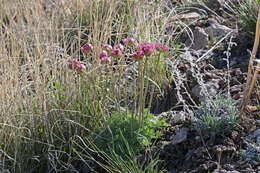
<point>248,91</point>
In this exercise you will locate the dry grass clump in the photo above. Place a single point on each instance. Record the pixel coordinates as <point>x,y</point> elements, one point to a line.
<point>244,12</point>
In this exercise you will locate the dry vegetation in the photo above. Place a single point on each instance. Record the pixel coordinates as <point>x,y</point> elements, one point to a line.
<point>42,102</point>
<point>48,113</point>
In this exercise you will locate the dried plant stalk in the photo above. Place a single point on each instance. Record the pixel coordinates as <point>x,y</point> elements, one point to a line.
<point>248,91</point>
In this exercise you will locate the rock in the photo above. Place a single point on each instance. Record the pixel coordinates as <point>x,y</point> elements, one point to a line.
<point>239,61</point>
<point>236,89</point>
<point>180,136</point>
<point>214,4</point>
<point>219,171</point>
<point>175,117</point>
<point>189,17</point>
<point>228,167</point>
<point>254,137</point>
<point>252,108</point>
<point>234,135</point>
<point>200,39</point>
<point>197,138</point>
<point>211,86</point>
<point>216,30</point>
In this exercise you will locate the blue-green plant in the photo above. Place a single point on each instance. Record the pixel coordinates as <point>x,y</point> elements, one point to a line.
<point>218,115</point>
<point>252,152</point>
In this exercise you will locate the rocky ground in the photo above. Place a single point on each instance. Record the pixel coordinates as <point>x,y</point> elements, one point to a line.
<point>222,53</point>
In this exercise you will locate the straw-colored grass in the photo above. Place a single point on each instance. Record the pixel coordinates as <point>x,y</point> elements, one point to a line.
<point>44,105</point>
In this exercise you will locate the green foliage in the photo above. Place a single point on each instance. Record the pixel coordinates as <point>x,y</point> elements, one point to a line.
<point>218,115</point>
<point>130,163</point>
<point>127,161</point>
<point>246,11</point>
<point>126,126</point>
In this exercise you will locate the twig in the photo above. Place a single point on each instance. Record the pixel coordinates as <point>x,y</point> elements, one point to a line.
<point>247,93</point>
<point>211,49</point>
<point>204,143</point>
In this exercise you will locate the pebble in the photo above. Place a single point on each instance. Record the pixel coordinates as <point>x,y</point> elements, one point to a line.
<point>180,136</point>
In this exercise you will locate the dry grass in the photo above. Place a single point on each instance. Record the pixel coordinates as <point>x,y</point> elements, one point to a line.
<point>41,101</point>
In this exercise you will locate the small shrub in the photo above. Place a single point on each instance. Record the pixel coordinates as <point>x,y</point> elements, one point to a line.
<point>126,126</point>
<point>252,152</point>
<point>217,116</point>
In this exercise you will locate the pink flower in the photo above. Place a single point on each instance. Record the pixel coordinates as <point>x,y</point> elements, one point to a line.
<point>125,41</point>
<point>119,46</point>
<point>102,53</point>
<point>129,41</point>
<point>138,55</point>
<point>147,48</point>
<point>80,68</point>
<point>105,59</point>
<point>161,48</point>
<point>87,48</point>
<point>70,66</point>
<point>116,53</point>
<point>73,64</point>
<point>107,47</point>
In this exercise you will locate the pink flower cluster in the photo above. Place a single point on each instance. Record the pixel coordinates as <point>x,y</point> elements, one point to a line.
<point>75,64</point>
<point>103,57</point>
<point>87,48</point>
<point>161,48</point>
<point>147,49</point>
<point>129,41</point>
<point>116,53</point>
<point>107,52</point>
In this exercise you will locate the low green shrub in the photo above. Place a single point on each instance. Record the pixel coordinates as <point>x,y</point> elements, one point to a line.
<point>116,147</point>
<point>217,116</point>
<point>124,125</point>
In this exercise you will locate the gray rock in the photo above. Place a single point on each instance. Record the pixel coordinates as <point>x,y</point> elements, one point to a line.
<point>214,4</point>
<point>254,137</point>
<point>180,136</point>
<point>219,171</point>
<point>176,116</point>
<point>188,17</point>
<point>211,86</point>
<point>200,39</point>
<point>216,30</point>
